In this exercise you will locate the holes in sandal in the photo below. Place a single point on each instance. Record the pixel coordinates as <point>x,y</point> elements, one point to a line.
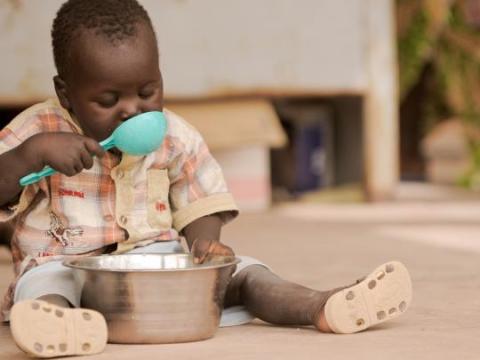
<point>380,275</point>
<point>392,311</point>
<point>402,306</point>
<point>86,316</point>
<point>62,347</point>
<point>381,315</point>
<point>350,295</point>
<point>59,313</point>
<point>372,284</point>
<point>360,322</point>
<point>389,268</point>
<point>86,346</point>
<point>47,309</point>
<point>50,349</point>
<point>35,306</point>
<point>38,347</point>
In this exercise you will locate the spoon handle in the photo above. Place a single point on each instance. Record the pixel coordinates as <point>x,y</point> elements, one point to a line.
<point>108,143</point>
<point>32,178</point>
<point>36,176</point>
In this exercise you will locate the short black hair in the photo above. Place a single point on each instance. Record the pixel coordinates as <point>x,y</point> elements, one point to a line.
<point>113,19</point>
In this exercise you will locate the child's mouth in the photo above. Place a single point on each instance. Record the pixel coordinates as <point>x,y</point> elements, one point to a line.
<point>115,151</point>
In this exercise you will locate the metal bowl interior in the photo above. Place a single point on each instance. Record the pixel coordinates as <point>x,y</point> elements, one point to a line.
<point>148,262</point>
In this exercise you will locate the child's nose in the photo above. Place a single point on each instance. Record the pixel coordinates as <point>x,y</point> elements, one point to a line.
<point>128,110</point>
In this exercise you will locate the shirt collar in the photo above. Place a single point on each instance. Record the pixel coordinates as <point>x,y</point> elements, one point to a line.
<point>71,119</point>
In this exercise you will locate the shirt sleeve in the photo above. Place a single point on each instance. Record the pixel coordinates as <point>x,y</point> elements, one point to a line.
<point>197,185</point>
<point>9,139</point>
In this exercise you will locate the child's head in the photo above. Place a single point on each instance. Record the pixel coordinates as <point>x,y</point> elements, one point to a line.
<point>106,56</point>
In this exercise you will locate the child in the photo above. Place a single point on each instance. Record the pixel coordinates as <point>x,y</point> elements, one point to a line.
<point>101,202</point>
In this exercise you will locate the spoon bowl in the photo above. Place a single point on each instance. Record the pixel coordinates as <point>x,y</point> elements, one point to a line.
<point>139,135</point>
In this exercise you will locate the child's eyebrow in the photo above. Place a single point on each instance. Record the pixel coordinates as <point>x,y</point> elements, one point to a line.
<point>107,91</point>
<point>151,82</point>
<point>111,89</point>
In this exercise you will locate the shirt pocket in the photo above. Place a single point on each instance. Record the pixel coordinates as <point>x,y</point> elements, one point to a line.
<point>159,215</point>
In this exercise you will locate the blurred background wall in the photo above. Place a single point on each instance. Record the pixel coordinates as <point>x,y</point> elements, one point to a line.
<point>293,97</point>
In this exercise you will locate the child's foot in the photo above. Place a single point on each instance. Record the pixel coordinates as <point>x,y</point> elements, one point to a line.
<point>45,330</point>
<point>383,295</point>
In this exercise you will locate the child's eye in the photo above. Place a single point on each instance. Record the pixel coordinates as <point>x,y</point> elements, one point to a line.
<point>107,101</point>
<point>146,93</point>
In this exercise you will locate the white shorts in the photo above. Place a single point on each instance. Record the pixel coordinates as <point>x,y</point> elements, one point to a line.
<point>54,278</point>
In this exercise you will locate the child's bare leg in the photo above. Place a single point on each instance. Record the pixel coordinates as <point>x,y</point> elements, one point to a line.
<point>275,300</point>
<point>381,296</point>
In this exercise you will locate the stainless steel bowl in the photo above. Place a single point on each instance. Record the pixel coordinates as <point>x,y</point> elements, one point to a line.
<point>154,298</point>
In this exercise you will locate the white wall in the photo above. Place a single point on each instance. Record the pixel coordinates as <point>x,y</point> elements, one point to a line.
<point>215,48</point>
<point>210,47</point>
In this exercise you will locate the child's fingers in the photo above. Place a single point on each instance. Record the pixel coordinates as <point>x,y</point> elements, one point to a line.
<point>217,248</point>
<point>200,250</point>
<point>205,249</point>
<point>93,147</point>
<point>87,159</point>
<point>77,166</point>
<point>71,166</point>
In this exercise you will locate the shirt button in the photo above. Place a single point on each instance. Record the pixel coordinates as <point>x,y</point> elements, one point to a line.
<point>120,174</point>
<point>123,219</point>
<point>108,218</point>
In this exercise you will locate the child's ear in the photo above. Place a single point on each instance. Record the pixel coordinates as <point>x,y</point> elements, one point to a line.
<point>61,90</point>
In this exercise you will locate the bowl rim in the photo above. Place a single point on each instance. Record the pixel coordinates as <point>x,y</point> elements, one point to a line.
<point>71,263</point>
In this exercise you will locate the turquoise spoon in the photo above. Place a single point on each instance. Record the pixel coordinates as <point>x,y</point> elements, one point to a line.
<point>139,135</point>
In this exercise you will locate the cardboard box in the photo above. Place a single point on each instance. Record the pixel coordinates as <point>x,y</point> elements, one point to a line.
<point>239,134</point>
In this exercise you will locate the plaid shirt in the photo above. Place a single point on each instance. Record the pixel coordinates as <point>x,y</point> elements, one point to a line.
<point>129,201</point>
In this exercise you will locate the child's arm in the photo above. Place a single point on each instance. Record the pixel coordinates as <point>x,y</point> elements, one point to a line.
<point>65,152</point>
<point>203,238</point>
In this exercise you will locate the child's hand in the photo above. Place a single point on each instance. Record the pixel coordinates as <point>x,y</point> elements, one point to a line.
<point>203,249</point>
<point>67,153</point>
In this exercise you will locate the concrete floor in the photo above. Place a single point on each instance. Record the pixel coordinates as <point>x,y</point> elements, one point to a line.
<point>322,246</point>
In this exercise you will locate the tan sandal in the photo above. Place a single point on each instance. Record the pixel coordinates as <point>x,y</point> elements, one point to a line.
<point>45,330</point>
<point>383,295</point>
